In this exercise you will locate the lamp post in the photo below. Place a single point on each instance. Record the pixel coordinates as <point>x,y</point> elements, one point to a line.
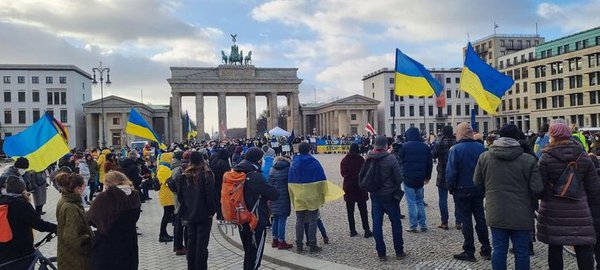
<point>100,69</point>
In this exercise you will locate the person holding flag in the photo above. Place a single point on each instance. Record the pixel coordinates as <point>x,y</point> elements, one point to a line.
<point>137,125</point>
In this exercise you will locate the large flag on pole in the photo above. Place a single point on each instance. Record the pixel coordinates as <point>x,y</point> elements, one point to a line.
<point>483,82</point>
<point>43,143</point>
<point>137,125</point>
<point>191,133</point>
<point>370,129</point>
<point>412,78</point>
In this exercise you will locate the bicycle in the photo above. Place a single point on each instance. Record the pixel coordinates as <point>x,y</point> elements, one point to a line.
<point>38,260</point>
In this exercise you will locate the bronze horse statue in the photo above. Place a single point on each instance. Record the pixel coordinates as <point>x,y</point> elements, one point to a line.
<point>248,58</point>
<point>224,57</point>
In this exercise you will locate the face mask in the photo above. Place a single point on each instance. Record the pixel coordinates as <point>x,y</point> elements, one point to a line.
<point>21,171</point>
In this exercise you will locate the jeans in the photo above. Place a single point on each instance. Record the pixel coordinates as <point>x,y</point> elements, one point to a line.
<point>320,226</point>
<point>166,218</point>
<point>364,215</point>
<point>197,249</point>
<point>467,206</point>
<point>254,244</point>
<point>391,207</point>
<point>279,227</point>
<point>310,218</point>
<point>416,207</point>
<point>443,204</point>
<point>520,240</point>
<point>584,254</point>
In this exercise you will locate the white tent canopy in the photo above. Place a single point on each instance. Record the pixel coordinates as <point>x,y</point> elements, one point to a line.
<point>277,131</point>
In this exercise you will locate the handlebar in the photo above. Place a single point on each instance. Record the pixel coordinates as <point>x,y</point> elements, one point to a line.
<point>45,240</point>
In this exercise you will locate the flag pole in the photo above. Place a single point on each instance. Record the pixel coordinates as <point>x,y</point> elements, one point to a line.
<point>424,117</point>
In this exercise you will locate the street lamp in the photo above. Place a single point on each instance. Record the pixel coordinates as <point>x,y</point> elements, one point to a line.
<point>100,69</point>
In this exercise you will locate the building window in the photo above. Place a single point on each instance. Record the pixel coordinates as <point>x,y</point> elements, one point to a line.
<point>56,98</point>
<point>392,113</point>
<point>448,80</point>
<point>63,116</point>
<point>518,104</point>
<point>7,117</point>
<point>35,80</point>
<point>594,78</point>
<point>392,95</point>
<point>36,115</point>
<point>411,110</point>
<point>7,96</point>
<point>6,79</point>
<point>402,113</point>
<point>517,88</point>
<point>476,109</point>
<point>373,94</point>
<point>21,96</point>
<point>373,85</point>
<point>63,80</point>
<point>22,117</point>
<point>576,99</point>
<point>594,118</point>
<point>35,96</point>
<point>63,98</point>
<point>49,80</point>
<point>50,112</point>
<point>21,79</point>
<point>421,110</point>
<point>117,121</point>
<point>449,109</point>
<point>49,98</point>
<point>448,93</point>
<point>467,109</point>
<point>525,103</point>
<point>353,117</point>
<point>510,105</point>
<point>466,94</point>
<point>503,105</point>
<point>525,87</point>
<point>577,45</point>
<point>430,110</point>
<point>457,80</point>
<point>458,110</point>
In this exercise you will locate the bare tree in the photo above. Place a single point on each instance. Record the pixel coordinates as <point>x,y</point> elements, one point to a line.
<point>261,122</point>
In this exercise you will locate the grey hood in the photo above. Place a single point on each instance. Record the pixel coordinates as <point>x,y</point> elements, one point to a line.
<point>506,148</point>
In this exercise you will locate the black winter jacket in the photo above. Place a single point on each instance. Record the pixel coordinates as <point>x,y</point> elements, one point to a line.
<point>256,186</point>
<point>389,170</point>
<point>440,151</point>
<point>198,202</point>
<point>415,157</point>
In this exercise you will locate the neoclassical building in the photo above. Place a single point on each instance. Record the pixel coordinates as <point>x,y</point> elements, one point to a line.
<point>346,116</point>
<point>116,114</point>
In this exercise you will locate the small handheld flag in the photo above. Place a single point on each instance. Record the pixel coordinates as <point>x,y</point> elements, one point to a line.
<point>412,78</point>
<point>137,125</point>
<point>42,143</point>
<point>370,129</point>
<point>483,82</point>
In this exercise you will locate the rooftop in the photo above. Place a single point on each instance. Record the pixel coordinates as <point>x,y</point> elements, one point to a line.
<point>391,70</point>
<point>508,36</point>
<point>45,67</point>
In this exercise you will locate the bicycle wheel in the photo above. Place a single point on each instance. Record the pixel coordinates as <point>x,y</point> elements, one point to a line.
<point>570,250</point>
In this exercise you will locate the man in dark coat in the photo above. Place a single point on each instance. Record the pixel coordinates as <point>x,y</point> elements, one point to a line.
<point>18,169</point>
<point>440,151</point>
<point>353,194</point>
<point>131,169</point>
<point>468,197</point>
<point>219,165</point>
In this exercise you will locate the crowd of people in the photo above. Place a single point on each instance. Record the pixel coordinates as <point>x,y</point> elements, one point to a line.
<point>520,177</point>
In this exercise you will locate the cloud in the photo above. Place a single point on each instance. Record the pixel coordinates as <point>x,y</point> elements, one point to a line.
<point>572,17</point>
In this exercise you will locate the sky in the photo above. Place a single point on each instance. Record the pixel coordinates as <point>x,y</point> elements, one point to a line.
<point>332,42</point>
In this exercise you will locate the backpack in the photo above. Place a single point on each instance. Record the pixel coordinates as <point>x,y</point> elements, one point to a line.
<point>369,177</point>
<point>5,230</point>
<point>568,185</point>
<point>233,204</point>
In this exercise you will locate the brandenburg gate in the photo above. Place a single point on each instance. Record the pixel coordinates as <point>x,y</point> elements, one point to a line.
<point>231,79</point>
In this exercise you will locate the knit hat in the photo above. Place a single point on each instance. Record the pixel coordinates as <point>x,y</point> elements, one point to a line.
<point>270,152</point>
<point>447,131</point>
<point>560,131</point>
<point>253,154</point>
<point>464,131</point>
<point>381,142</point>
<point>304,148</point>
<point>178,155</point>
<point>14,185</point>
<point>22,163</point>
<point>511,131</point>
<point>354,148</point>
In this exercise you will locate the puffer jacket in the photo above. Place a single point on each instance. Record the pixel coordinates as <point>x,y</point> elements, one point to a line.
<point>440,151</point>
<point>278,177</point>
<point>165,195</point>
<point>511,181</point>
<point>462,161</point>
<point>563,221</point>
<point>390,171</point>
<point>74,233</point>
<point>102,164</point>
<point>350,169</point>
<point>415,158</point>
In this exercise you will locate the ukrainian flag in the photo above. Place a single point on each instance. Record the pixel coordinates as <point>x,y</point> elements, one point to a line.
<point>483,82</point>
<point>412,78</point>
<point>42,144</point>
<point>137,125</point>
<point>308,185</point>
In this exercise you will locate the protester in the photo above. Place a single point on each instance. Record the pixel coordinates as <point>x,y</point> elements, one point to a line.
<point>542,140</point>
<point>115,213</point>
<point>39,189</point>
<point>468,198</point>
<point>22,218</point>
<point>18,169</point>
<point>440,152</point>
<point>219,165</point>
<point>178,165</point>
<point>256,192</point>
<point>93,182</point>
<point>386,200</point>
<point>84,171</point>
<point>415,157</point>
<point>564,221</point>
<point>74,233</point>
<point>268,159</point>
<point>237,156</point>
<point>280,208</point>
<point>102,167</point>
<point>131,169</point>
<point>165,196</point>
<point>353,194</point>
<point>511,182</point>
<point>579,137</point>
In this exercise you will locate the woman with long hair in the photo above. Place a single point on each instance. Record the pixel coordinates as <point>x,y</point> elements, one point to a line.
<point>197,194</point>
<point>74,233</point>
<point>563,221</point>
<point>115,213</point>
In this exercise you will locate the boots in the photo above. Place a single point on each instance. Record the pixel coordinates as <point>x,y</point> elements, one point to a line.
<point>275,243</point>
<point>284,245</point>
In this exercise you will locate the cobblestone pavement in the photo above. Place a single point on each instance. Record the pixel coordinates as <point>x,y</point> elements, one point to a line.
<point>155,255</point>
<point>430,250</point>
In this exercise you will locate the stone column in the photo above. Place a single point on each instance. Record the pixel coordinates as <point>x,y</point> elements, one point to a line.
<point>295,112</point>
<point>318,123</point>
<point>166,130</point>
<point>107,129</point>
<point>375,125</point>
<point>305,125</point>
<point>290,113</point>
<point>364,121</point>
<point>176,117</point>
<point>336,123</point>
<point>222,104</point>
<point>273,111</point>
<point>326,122</point>
<point>251,115</point>
<point>125,137</point>
<point>88,130</point>
<point>200,116</point>
<point>349,122</point>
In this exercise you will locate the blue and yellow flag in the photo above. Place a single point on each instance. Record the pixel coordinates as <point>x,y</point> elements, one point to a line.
<point>137,125</point>
<point>483,82</point>
<point>412,78</point>
<point>42,144</point>
<point>308,185</point>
